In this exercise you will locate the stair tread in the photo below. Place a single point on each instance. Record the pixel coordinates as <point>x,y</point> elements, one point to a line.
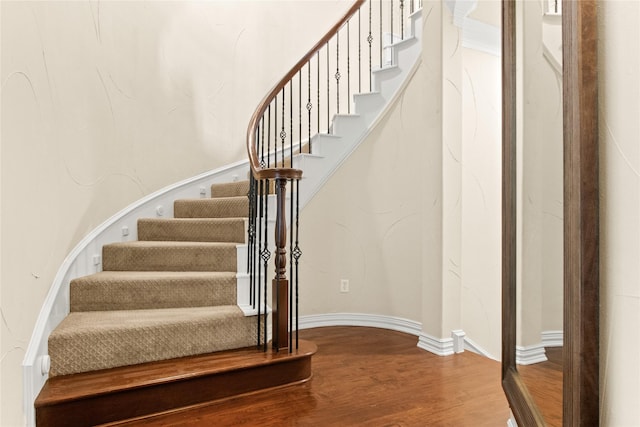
<point>236,188</point>
<point>168,244</point>
<point>131,290</point>
<point>219,207</point>
<point>79,386</point>
<point>87,321</point>
<point>169,256</point>
<point>155,275</point>
<point>192,229</point>
<point>92,340</point>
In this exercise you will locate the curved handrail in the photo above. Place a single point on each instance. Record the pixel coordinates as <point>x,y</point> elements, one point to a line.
<point>260,172</point>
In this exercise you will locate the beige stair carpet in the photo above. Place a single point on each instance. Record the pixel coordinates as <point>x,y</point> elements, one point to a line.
<point>172,293</point>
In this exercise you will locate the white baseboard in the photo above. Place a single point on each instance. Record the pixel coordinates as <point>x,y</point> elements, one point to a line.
<point>439,346</point>
<point>359,319</point>
<point>528,355</point>
<point>552,338</point>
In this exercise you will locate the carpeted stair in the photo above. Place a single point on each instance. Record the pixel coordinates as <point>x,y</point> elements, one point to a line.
<point>170,294</point>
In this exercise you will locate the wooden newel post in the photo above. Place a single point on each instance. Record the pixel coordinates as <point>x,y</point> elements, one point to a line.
<point>280,284</point>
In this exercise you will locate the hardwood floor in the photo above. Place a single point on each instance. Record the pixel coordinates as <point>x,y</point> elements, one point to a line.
<point>367,376</point>
<point>544,382</point>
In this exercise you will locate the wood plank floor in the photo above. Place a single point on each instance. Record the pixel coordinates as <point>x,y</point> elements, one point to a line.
<point>544,382</point>
<point>367,376</point>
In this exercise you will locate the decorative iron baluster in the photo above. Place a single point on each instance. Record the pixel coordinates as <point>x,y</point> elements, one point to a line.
<point>291,275</point>
<point>328,97</point>
<point>370,40</point>
<point>264,262</point>
<point>391,31</point>
<point>348,73</point>
<point>337,75</point>
<point>283,133</point>
<point>299,111</point>
<point>265,254</point>
<point>401,19</point>
<point>290,126</point>
<point>309,104</point>
<point>297,253</point>
<point>359,54</point>
<point>268,136</point>
<point>250,240</point>
<point>262,143</point>
<point>318,88</point>
<point>275,133</point>
<point>380,39</point>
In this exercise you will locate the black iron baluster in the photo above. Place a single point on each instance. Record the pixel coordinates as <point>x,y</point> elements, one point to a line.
<point>300,111</point>
<point>337,75</point>
<point>348,73</point>
<point>297,252</point>
<point>258,249</point>
<point>266,254</point>
<point>328,96</point>
<point>283,133</point>
<point>391,31</point>
<point>290,125</point>
<point>262,143</point>
<point>275,132</point>
<point>401,19</point>
<point>380,40</point>
<point>318,88</point>
<point>268,136</point>
<point>359,54</point>
<point>291,275</point>
<point>250,241</point>
<point>309,105</point>
<point>370,41</point>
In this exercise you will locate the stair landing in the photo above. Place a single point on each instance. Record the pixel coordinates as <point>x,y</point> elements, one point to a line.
<point>135,392</point>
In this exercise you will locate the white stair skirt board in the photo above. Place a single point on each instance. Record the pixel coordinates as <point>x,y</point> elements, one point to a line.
<point>85,259</point>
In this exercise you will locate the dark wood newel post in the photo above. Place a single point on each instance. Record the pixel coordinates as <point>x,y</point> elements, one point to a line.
<point>280,284</point>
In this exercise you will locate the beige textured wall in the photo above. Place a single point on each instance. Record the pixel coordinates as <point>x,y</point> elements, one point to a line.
<point>104,102</point>
<point>368,222</point>
<point>482,199</point>
<point>541,199</point>
<point>619,124</point>
<point>412,218</point>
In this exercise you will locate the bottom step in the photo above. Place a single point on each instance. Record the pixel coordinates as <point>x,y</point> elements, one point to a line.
<point>137,391</point>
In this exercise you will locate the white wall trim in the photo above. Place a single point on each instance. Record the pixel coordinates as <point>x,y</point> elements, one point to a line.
<point>552,338</point>
<point>438,346</point>
<point>361,319</point>
<point>528,355</point>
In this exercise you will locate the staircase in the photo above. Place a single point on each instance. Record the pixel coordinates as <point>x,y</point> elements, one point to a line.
<point>170,320</point>
<point>169,295</point>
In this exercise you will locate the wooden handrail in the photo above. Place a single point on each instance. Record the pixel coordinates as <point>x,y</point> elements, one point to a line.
<point>258,171</point>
